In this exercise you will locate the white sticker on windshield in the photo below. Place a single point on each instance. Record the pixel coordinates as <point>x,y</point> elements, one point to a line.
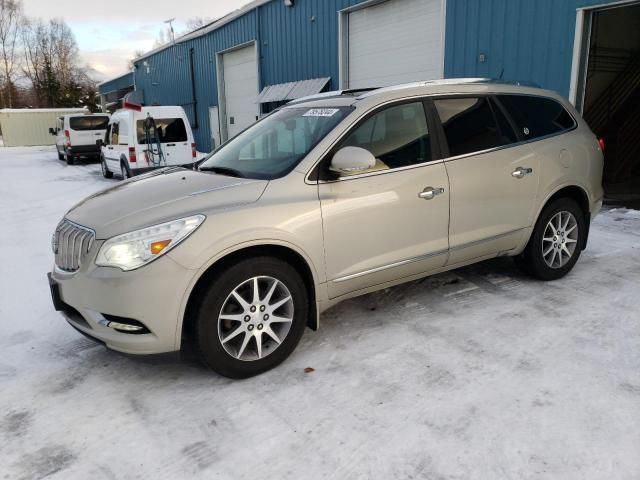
<point>321,112</point>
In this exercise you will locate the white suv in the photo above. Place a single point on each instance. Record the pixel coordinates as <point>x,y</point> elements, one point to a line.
<point>327,198</point>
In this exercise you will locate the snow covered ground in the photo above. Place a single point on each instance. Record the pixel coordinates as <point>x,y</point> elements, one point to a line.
<point>480,373</point>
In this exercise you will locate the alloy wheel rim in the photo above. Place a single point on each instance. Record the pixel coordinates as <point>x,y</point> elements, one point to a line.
<point>255,318</point>
<point>560,239</point>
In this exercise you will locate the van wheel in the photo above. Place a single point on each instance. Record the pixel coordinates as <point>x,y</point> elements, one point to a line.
<point>124,171</point>
<point>251,317</point>
<point>69,159</point>
<point>60,156</point>
<point>106,173</point>
<point>556,242</point>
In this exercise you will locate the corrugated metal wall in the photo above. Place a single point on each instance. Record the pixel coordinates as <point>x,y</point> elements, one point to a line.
<point>294,44</point>
<point>525,40</point>
<point>119,83</point>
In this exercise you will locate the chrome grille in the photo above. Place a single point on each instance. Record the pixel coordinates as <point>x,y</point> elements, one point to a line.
<point>71,243</point>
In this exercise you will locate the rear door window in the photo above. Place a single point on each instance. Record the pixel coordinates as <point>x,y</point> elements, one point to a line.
<point>80,124</point>
<point>167,130</point>
<point>470,125</point>
<point>537,117</point>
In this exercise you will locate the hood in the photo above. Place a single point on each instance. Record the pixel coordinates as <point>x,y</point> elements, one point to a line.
<point>160,196</point>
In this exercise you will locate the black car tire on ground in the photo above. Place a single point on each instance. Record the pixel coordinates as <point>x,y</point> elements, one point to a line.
<point>532,260</point>
<point>106,173</point>
<point>207,340</point>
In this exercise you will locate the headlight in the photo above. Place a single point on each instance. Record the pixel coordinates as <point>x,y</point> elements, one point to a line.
<point>135,249</point>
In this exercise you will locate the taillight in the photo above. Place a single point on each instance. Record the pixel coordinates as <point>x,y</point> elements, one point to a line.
<point>602,144</point>
<point>132,154</point>
<point>194,152</point>
<point>68,137</point>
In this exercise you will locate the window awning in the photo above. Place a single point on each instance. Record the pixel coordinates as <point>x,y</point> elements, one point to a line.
<point>292,90</point>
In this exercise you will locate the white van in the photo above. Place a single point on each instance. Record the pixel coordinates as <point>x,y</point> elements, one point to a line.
<point>139,139</point>
<point>76,135</point>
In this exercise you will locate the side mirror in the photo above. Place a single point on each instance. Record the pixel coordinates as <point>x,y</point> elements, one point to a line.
<point>352,160</point>
<point>100,142</point>
<point>52,131</point>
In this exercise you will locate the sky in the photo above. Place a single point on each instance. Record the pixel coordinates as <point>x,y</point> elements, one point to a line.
<point>109,33</point>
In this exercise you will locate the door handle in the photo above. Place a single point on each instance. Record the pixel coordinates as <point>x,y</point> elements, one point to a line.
<point>171,144</point>
<point>521,172</point>
<point>429,193</point>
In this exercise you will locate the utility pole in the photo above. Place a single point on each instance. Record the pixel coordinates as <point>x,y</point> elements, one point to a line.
<point>170,22</point>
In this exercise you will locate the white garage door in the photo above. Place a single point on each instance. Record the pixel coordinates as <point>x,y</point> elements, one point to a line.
<point>397,41</point>
<point>240,75</point>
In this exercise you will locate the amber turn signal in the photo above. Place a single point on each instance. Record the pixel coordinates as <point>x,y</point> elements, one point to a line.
<point>157,247</point>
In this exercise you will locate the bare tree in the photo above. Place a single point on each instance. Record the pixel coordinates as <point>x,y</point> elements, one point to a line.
<point>51,64</point>
<point>10,22</point>
<point>136,54</point>
<point>197,22</point>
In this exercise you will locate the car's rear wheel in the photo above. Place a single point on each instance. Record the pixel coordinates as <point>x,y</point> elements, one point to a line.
<point>60,156</point>
<point>556,242</point>
<point>106,173</point>
<point>69,159</point>
<point>251,318</point>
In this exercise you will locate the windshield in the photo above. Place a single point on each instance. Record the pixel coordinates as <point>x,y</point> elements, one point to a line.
<point>274,146</point>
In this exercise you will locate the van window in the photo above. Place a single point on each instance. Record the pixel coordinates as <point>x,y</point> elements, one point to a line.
<point>115,131</point>
<point>537,116</point>
<point>469,125</point>
<point>397,136</point>
<point>170,130</point>
<point>88,123</point>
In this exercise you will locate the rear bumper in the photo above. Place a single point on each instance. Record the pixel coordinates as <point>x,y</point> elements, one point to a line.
<point>82,150</point>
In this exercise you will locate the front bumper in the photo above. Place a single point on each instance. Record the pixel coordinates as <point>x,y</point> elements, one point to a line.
<point>152,295</point>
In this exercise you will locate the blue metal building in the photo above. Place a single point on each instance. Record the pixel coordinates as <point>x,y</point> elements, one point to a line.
<point>272,50</point>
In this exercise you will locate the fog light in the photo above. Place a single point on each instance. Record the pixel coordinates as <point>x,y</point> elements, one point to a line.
<point>123,325</point>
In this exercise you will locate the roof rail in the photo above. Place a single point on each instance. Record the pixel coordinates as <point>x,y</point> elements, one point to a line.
<point>331,94</point>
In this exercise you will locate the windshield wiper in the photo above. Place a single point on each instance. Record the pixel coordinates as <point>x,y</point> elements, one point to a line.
<point>229,172</point>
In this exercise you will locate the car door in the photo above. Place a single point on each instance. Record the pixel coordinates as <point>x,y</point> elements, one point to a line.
<point>111,149</point>
<point>391,222</point>
<point>493,177</point>
<point>175,141</point>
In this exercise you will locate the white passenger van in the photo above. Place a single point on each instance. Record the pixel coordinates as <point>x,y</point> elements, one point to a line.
<point>76,135</point>
<point>139,139</point>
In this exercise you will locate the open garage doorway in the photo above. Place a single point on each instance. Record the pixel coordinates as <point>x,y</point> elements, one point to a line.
<point>607,91</point>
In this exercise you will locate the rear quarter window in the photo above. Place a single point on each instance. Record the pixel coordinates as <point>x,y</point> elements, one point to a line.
<point>88,123</point>
<point>537,117</point>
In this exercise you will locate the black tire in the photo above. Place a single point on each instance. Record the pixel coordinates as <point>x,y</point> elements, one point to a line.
<point>125,172</point>
<point>207,340</point>
<point>106,173</point>
<point>69,159</point>
<point>60,156</point>
<point>532,260</point>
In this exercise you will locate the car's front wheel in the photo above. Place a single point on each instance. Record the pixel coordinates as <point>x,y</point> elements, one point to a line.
<point>252,317</point>
<point>556,242</point>
<point>106,173</point>
<point>125,173</point>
